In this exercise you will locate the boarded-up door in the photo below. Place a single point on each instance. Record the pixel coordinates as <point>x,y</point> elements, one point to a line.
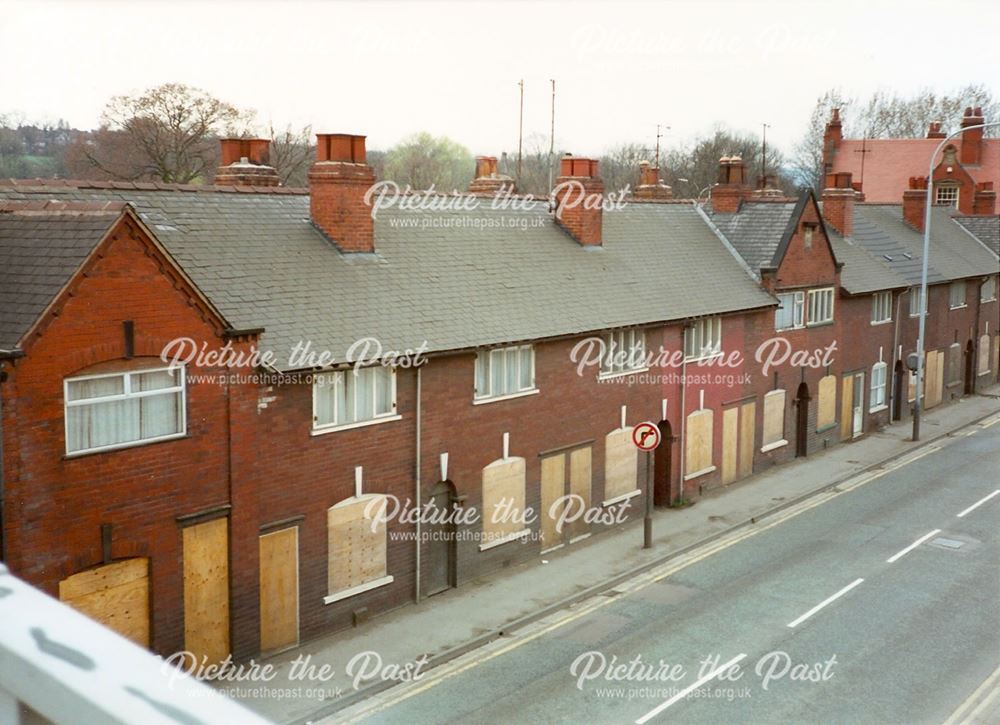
<point>553,489</point>
<point>730,443</point>
<point>748,425</point>
<point>580,484</point>
<point>206,590</point>
<point>116,595</point>
<point>847,408</point>
<point>565,474</point>
<point>934,374</point>
<point>279,589</point>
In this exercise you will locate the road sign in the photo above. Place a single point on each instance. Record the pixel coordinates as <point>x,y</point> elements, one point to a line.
<point>646,436</point>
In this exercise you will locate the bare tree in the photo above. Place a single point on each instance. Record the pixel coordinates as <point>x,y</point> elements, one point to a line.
<point>291,154</point>
<point>619,165</point>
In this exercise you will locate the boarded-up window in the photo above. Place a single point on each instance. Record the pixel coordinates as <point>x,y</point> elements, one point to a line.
<point>116,595</point>
<point>826,411</point>
<point>954,363</point>
<point>621,464</point>
<point>356,540</point>
<point>984,354</point>
<point>698,449</point>
<point>503,500</point>
<point>774,420</point>
<point>933,385</point>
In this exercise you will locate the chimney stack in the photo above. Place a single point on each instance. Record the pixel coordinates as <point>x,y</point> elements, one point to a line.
<point>245,162</point>
<point>650,186</point>
<point>832,137</point>
<point>915,202</point>
<point>488,182</point>
<point>732,188</point>
<point>972,141</point>
<point>579,197</point>
<point>934,130</point>
<point>838,202</point>
<point>985,201</point>
<point>338,181</point>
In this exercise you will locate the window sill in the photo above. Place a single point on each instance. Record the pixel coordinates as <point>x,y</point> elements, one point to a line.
<point>123,446</point>
<point>773,446</point>
<point>881,322</point>
<point>510,396</point>
<point>959,307</point>
<point>516,536</point>
<point>790,329</point>
<point>626,373</point>
<point>360,424</point>
<point>702,472</point>
<point>825,428</point>
<point>986,302</point>
<point>878,409</point>
<point>621,498</point>
<point>824,323</point>
<point>704,358</point>
<point>347,593</point>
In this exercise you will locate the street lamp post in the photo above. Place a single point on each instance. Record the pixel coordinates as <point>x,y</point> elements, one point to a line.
<point>918,403</point>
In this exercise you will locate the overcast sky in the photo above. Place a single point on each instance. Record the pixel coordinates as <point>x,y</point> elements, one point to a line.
<point>387,69</point>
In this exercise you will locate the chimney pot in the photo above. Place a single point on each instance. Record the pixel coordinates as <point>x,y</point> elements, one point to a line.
<point>245,162</point>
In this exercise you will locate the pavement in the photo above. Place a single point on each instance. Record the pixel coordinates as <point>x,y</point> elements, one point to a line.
<point>467,623</point>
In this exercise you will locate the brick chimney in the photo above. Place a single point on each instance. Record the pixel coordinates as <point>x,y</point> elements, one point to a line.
<point>985,200</point>
<point>579,197</point>
<point>732,188</point>
<point>934,130</point>
<point>838,202</point>
<point>832,137</point>
<point>488,182</point>
<point>972,141</point>
<point>650,186</point>
<point>245,162</point>
<point>915,202</point>
<point>338,181</point>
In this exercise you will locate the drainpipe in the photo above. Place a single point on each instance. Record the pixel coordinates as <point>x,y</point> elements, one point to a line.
<point>416,584</point>
<point>975,336</point>
<point>4,355</point>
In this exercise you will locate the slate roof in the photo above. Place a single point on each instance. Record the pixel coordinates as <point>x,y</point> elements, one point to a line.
<point>456,280</point>
<point>39,253</point>
<point>985,228</point>
<point>755,231</point>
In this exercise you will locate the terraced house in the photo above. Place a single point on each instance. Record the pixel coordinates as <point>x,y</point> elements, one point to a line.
<point>231,504</point>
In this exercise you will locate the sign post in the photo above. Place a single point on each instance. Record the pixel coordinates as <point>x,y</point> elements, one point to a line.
<point>646,437</point>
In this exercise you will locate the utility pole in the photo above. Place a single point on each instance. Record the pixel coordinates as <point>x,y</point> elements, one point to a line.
<point>658,136</point>
<point>763,158</point>
<point>552,132</point>
<point>520,132</point>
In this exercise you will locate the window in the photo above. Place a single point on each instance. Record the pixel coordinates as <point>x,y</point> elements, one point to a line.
<point>946,194</point>
<point>356,546</point>
<point>789,315</point>
<point>624,351</point>
<point>621,466</point>
<point>877,397</point>
<point>703,339</point>
<point>503,512</point>
<point>505,371</point>
<point>120,409</point>
<point>820,306</point>
<point>881,307</point>
<point>956,295</point>
<point>988,290</point>
<point>774,421</point>
<point>353,397</point>
<point>698,444</point>
<point>915,302</point>
<point>807,235</point>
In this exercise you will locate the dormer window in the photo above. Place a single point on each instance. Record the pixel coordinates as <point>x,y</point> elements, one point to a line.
<point>946,194</point>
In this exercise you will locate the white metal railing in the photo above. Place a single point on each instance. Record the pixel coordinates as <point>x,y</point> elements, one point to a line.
<point>70,669</point>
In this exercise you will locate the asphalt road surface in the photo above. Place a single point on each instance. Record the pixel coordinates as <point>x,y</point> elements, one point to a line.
<point>881,605</point>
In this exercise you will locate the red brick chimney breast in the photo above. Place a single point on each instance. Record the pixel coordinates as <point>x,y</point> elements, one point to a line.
<point>579,196</point>
<point>838,202</point>
<point>338,182</point>
<point>915,202</point>
<point>972,141</point>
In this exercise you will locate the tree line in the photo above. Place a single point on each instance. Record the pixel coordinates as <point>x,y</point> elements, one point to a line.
<point>170,133</point>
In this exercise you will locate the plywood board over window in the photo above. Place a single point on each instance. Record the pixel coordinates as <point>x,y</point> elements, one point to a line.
<point>774,420</point>
<point>116,595</point>
<point>356,541</point>
<point>748,429</point>
<point>984,355</point>
<point>503,501</point>
<point>730,443</point>
<point>826,410</point>
<point>698,447</point>
<point>621,465</point>
<point>934,386</point>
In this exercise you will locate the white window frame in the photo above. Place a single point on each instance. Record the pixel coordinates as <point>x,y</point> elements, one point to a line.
<point>486,356</point>
<point>817,299</point>
<point>881,308</point>
<point>798,302</point>
<point>952,194</point>
<point>914,301</point>
<point>876,395</point>
<point>958,284</point>
<point>126,394</point>
<point>631,339</point>
<point>697,334</point>
<point>334,381</point>
<point>988,287</point>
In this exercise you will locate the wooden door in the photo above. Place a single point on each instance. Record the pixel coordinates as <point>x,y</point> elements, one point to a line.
<point>847,408</point>
<point>580,484</point>
<point>553,488</point>
<point>730,443</point>
<point>748,423</point>
<point>437,562</point>
<point>802,421</point>
<point>206,590</point>
<point>279,589</point>
<point>116,595</point>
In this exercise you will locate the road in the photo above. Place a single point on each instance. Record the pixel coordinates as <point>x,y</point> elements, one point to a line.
<point>881,605</point>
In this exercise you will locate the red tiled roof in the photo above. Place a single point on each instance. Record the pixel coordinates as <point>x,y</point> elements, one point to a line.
<point>890,163</point>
